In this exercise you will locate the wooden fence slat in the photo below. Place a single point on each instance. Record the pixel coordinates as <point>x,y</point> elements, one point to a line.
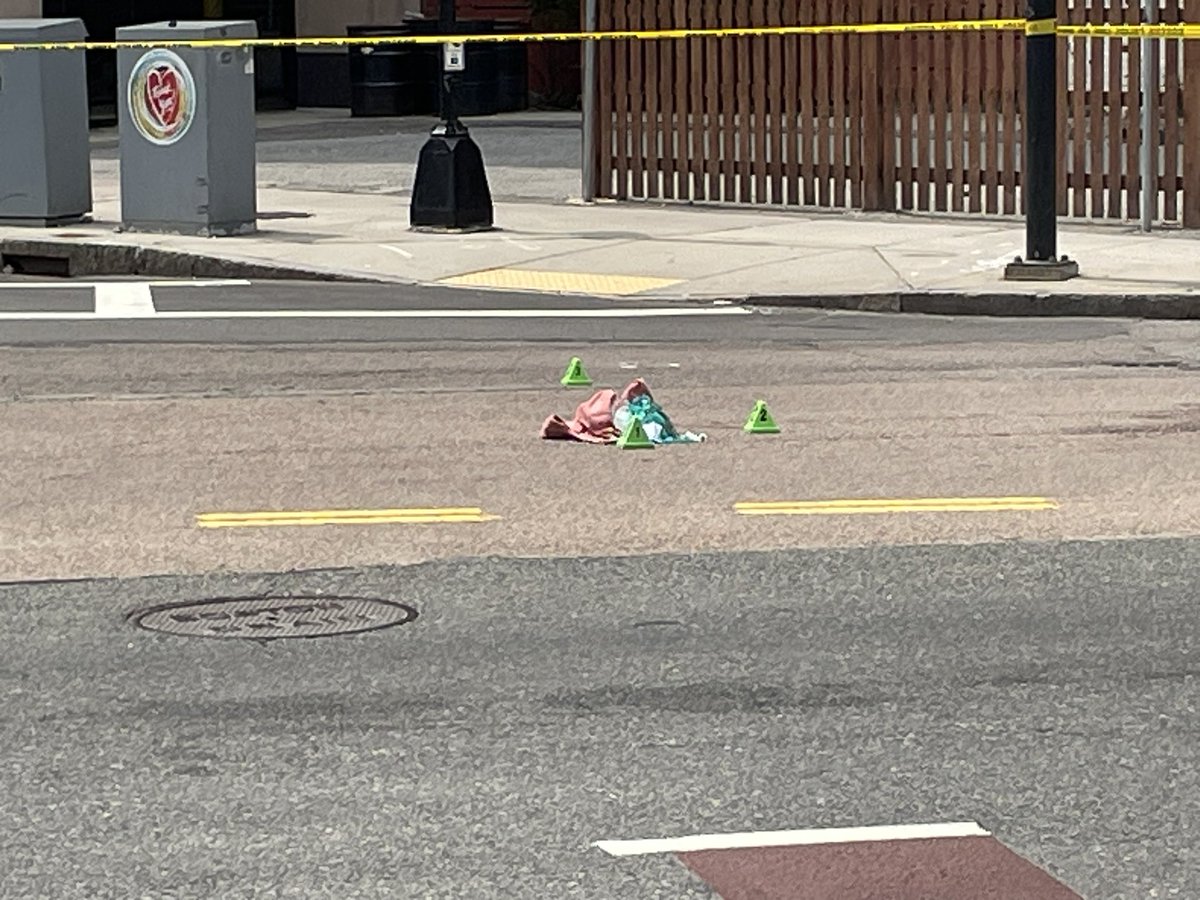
<point>855,113</point>
<point>638,16</point>
<point>886,92</point>
<point>1133,121</point>
<point>729,74</point>
<point>1060,168</point>
<point>923,60</point>
<point>807,51</point>
<point>606,78</point>
<point>823,48</point>
<point>686,98</point>
<point>874,177</point>
<point>904,79</point>
<point>700,132</point>
<point>889,61</point>
<point>1170,111</point>
<point>691,90</point>
<point>1078,105</point>
<point>1009,136</point>
<point>665,100</point>
<point>653,127</point>
<point>956,91</point>
<point>677,18</point>
<point>637,102</point>
<point>1115,208</point>
<point>775,101</point>
<point>837,66</point>
<point>990,93</point>
<point>791,107</point>
<point>621,86</point>
<point>941,134</point>
<point>1095,169</point>
<point>1191,123</point>
<point>712,105</point>
<point>744,99</point>
<point>976,47</point>
<point>758,56</point>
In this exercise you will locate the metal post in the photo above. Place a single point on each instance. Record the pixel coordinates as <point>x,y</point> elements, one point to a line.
<point>590,86</point>
<point>1039,167</point>
<point>1149,149</point>
<point>447,22</point>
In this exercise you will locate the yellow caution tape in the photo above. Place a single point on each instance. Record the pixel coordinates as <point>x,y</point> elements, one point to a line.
<point>977,25</point>
<point>1031,28</point>
<point>1182,30</point>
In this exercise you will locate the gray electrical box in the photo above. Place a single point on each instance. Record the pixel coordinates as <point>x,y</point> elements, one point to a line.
<point>45,160</point>
<point>187,130</point>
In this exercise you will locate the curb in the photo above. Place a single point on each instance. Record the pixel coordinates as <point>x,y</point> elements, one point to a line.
<point>79,259</point>
<point>1116,306</point>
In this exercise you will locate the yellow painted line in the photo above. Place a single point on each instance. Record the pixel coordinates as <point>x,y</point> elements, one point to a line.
<point>560,282</point>
<point>881,506</point>
<point>433,516</point>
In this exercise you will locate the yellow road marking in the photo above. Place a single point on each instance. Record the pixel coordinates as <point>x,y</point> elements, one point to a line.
<point>919,504</point>
<point>560,282</point>
<point>432,516</point>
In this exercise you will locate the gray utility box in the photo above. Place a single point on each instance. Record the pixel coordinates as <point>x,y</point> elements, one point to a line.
<point>187,130</point>
<point>45,161</point>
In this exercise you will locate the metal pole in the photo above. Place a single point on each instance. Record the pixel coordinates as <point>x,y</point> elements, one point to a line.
<point>1041,136</point>
<point>447,20</point>
<point>1149,150</point>
<point>590,19</point>
<point>1039,167</point>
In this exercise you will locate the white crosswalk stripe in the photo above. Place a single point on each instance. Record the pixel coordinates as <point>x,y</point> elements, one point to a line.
<point>134,300</point>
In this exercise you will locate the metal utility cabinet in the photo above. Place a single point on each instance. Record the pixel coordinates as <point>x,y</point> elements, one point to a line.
<point>187,130</point>
<point>45,162</point>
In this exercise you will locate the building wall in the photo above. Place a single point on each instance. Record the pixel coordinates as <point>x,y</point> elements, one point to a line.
<point>20,9</point>
<point>321,18</point>
<point>323,75</point>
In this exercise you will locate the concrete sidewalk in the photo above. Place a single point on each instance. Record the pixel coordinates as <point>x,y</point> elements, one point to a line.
<point>333,203</point>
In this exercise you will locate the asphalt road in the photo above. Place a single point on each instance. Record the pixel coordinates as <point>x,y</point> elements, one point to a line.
<point>618,655</point>
<point>1047,691</point>
<point>280,313</point>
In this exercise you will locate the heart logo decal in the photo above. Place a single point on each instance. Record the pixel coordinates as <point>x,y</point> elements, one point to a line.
<point>162,97</point>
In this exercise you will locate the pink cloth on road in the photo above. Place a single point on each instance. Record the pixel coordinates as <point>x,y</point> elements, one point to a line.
<point>593,422</point>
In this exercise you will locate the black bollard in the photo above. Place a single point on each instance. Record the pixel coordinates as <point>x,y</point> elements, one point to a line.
<point>451,190</point>
<point>1039,179</point>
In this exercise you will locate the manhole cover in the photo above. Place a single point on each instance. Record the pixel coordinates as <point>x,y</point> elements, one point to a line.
<point>273,618</point>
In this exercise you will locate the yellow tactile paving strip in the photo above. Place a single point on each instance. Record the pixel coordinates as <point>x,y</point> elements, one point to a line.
<point>560,282</point>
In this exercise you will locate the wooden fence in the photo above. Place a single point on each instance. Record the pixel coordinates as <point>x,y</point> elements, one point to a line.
<point>880,122</point>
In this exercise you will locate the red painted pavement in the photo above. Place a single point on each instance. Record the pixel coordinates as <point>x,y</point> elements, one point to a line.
<point>967,868</point>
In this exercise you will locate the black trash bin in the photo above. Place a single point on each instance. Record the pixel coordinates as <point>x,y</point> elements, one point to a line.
<point>512,71</point>
<point>478,87</point>
<point>394,79</point>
